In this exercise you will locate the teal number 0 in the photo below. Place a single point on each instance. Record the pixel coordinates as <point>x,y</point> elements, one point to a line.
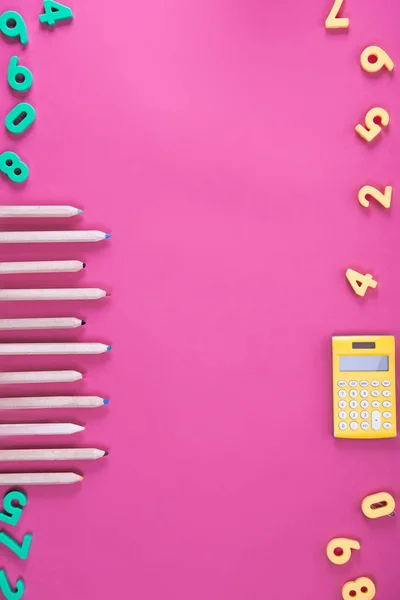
<point>13,167</point>
<point>19,78</point>
<point>13,25</point>
<point>6,589</point>
<point>20,117</point>
<point>53,12</point>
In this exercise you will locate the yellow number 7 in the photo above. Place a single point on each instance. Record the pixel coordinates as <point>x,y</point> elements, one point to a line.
<point>335,22</point>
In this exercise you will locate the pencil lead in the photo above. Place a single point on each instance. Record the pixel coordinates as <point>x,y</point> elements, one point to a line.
<point>83,265</point>
<point>108,348</point>
<point>106,453</point>
<point>83,322</point>
<point>80,477</point>
<point>108,293</point>
<point>105,401</point>
<point>108,235</point>
<point>80,211</point>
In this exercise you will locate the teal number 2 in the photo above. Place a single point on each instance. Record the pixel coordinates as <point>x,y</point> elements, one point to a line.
<point>20,117</point>
<point>6,589</point>
<point>21,550</point>
<point>13,25</point>
<point>13,167</point>
<point>14,512</point>
<point>19,78</point>
<point>53,12</point>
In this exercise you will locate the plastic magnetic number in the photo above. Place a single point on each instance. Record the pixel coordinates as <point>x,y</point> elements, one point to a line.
<point>13,167</point>
<point>19,78</point>
<point>13,25</point>
<point>14,511</point>
<point>380,59</point>
<point>368,190</point>
<point>378,505</point>
<point>335,22</point>
<point>363,587</point>
<point>359,282</point>
<point>372,129</point>
<point>339,550</point>
<point>21,550</point>
<point>53,12</point>
<point>20,117</point>
<point>7,590</point>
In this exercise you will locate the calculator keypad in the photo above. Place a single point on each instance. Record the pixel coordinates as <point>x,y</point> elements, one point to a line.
<point>374,414</point>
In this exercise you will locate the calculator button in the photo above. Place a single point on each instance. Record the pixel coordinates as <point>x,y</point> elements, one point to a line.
<point>353,393</point>
<point>353,425</point>
<point>387,425</point>
<point>354,414</point>
<point>364,414</point>
<point>387,415</point>
<point>364,425</point>
<point>375,404</point>
<point>353,383</point>
<point>342,404</point>
<point>386,383</point>
<point>364,394</point>
<point>376,420</point>
<point>386,393</point>
<point>343,414</point>
<point>364,383</point>
<point>342,425</point>
<point>375,393</point>
<point>387,404</point>
<point>364,404</point>
<point>342,393</point>
<point>342,383</point>
<point>353,403</point>
<point>374,383</point>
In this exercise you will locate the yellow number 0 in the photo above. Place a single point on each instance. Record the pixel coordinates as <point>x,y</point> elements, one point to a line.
<point>333,21</point>
<point>363,587</point>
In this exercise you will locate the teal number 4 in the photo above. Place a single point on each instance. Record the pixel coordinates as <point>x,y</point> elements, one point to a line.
<point>53,12</point>
<point>6,589</point>
<point>21,550</point>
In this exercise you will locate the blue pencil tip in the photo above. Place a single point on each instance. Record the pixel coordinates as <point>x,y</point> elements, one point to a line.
<point>105,401</point>
<point>80,211</point>
<point>108,235</point>
<point>108,347</point>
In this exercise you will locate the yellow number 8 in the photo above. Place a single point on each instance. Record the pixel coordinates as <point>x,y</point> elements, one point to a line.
<point>363,587</point>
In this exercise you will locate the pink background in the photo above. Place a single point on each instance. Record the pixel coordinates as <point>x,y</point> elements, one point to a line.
<point>215,140</point>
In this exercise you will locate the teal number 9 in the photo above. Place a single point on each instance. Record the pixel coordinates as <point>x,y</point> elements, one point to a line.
<point>13,167</point>
<point>6,589</point>
<point>20,117</point>
<point>53,12</point>
<point>13,25</point>
<point>19,78</point>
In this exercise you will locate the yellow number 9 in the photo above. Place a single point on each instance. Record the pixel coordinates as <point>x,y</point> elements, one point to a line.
<point>372,129</point>
<point>339,550</point>
<point>363,587</point>
<point>379,57</point>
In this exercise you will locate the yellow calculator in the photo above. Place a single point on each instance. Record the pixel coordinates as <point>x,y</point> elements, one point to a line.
<point>364,386</point>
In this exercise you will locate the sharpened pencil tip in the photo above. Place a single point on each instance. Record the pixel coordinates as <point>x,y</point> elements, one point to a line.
<point>80,478</point>
<point>105,401</point>
<point>106,453</point>
<point>108,348</point>
<point>80,211</point>
<point>83,322</point>
<point>83,265</point>
<point>108,293</point>
<point>108,235</point>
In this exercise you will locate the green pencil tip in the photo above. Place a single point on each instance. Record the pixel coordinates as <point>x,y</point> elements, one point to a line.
<point>80,211</point>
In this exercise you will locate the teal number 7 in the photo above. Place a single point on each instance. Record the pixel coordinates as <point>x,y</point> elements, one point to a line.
<point>53,12</point>
<point>21,550</point>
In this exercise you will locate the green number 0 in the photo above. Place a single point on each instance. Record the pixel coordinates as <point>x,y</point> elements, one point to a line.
<point>20,117</point>
<point>13,167</point>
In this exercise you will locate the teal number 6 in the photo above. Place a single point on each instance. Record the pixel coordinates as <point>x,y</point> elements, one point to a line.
<point>13,167</point>
<point>6,589</point>
<point>13,25</point>
<point>53,12</point>
<point>19,78</point>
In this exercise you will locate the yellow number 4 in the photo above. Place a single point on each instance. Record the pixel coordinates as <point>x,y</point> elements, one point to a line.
<point>359,282</point>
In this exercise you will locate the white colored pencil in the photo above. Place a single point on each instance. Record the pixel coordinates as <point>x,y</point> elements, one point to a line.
<point>39,478</point>
<point>44,237</point>
<point>39,211</point>
<point>39,429</point>
<point>62,348</point>
<point>52,402</point>
<point>52,454</point>
<point>42,266</point>
<point>52,294</point>
<point>12,377</point>
<point>40,323</point>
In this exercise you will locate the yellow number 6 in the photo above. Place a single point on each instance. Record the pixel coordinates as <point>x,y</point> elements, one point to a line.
<point>363,587</point>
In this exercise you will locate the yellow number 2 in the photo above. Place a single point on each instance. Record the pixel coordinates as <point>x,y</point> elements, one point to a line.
<point>372,129</point>
<point>333,21</point>
<point>359,282</point>
<point>339,550</point>
<point>368,190</point>
<point>373,58</point>
<point>363,587</point>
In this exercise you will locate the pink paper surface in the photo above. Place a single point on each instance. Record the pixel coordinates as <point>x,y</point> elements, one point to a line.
<point>215,141</point>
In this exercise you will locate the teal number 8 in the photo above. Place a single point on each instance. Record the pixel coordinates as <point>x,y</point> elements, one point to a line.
<point>13,25</point>
<point>6,589</point>
<point>53,12</point>
<point>20,117</point>
<point>19,78</point>
<point>14,168</point>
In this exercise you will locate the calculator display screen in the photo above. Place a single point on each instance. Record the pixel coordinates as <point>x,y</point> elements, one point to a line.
<point>364,363</point>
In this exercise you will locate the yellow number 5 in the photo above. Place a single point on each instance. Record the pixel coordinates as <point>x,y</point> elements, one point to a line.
<point>363,587</point>
<point>333,21</point>
<point>359,282</point>
<point>372,128</point>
